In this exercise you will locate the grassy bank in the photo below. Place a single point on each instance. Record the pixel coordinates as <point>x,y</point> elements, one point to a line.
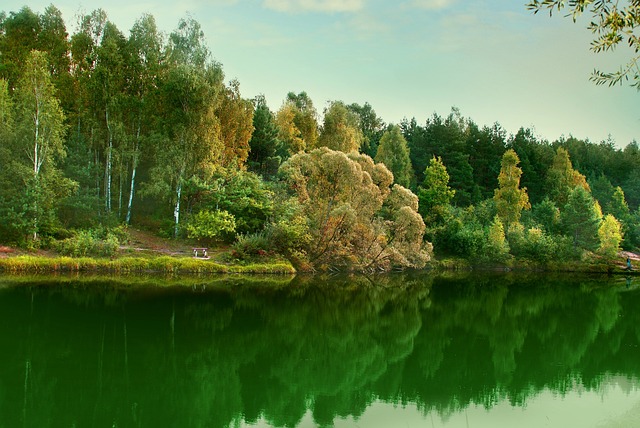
<point>127,265</point>
<point>589,266</point>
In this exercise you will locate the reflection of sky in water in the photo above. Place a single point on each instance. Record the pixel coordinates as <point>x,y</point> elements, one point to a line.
<point>616,404</point>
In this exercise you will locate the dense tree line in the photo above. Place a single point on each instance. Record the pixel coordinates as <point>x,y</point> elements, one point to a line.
<point>99,129</point>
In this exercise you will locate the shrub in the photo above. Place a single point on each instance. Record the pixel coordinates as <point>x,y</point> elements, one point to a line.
<point>252,245</point>
<point>211,225</point>
<point>88,243</point>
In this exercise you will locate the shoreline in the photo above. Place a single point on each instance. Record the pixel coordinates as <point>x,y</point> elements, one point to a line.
<point>127,265</point>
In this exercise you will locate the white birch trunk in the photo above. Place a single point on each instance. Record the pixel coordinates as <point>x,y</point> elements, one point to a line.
<point>107,189</point>
<point>176,211</point>
<point>133,174</point>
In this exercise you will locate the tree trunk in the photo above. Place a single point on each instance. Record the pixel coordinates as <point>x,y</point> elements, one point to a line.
<point>176,211</point>
<point>107,189</point>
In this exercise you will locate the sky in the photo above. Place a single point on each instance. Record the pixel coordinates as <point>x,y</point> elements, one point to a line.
<point>493,60</point>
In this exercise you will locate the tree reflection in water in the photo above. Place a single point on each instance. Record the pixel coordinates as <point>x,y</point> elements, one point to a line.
<point>219,353</point>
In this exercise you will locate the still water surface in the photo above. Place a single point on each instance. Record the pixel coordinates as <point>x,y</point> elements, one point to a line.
<point>395,351</point>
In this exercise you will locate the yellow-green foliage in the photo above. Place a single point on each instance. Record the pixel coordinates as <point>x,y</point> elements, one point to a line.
<point>610,234</point>
<point>125,265</point>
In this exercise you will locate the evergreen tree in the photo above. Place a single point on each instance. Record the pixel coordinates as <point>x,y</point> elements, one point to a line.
<point>581,218</point>
<point>264,140</point>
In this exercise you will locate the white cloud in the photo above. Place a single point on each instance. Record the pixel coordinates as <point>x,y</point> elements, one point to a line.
<point>431,4</point>
<point>314,5</point>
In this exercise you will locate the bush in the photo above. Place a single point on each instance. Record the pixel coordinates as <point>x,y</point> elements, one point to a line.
<point>89,243</point>
<point>211,225</point>
<point>252,245</point>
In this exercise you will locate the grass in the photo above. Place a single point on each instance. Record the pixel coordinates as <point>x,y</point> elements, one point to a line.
<point>129,265</point>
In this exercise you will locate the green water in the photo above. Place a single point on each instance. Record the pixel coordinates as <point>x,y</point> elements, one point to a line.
<point>401,350</point>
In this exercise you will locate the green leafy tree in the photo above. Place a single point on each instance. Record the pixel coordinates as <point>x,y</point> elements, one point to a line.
<point>305,117</point>
<point>613,23</point>
<point>434,193</point>
<point>535,160</point>
<point>371,125</point>
<point>394,153</point>
<point>610,236</point>
<point>190,94</point>
<point>340,130</point>
<point>211,225</point>
<point>143,68</point>
<point>497,247</point>
<point>509,197</point>
<point>547,214</point>
<point>581,219</point>
<point>40,134</point>
<point>562,178</point>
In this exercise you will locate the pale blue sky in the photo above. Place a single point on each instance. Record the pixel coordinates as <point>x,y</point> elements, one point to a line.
<point>492,59</point>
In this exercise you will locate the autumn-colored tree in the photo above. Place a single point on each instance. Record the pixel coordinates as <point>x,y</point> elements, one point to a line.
<point>509,197</point>
<point>236,126</point>
<point>288,132</point>
<point>342,197</point>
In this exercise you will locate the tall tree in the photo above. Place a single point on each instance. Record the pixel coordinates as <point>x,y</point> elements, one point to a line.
<point>191,92</point>
<point>340,130</point>
<point>40,133</point>
<point>236,126</point>
<point>434,193</point>
<point>306,117</point>
<point>562,178</point>
<point>394,153</point>
<point>18,37</point>
<point>109,84</point>
<point>264,140</point>
<point>510,199</point>
<point>143,70</point>
<point>581,218</point>
<point>371,125</point>
<point>288,132</point>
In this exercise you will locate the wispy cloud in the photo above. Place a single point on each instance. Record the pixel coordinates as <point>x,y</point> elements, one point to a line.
<point>431,4</point>
<point>327,6</point>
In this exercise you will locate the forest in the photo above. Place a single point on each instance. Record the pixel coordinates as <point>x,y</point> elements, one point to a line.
<point>101,130</point>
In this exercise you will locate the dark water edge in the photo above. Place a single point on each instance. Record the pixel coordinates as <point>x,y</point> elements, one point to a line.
<point>313,350</point>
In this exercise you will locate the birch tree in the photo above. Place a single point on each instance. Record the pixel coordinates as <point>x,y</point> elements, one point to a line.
<point>144,49</point>
<point>190,94</point>
<point>40,132</point>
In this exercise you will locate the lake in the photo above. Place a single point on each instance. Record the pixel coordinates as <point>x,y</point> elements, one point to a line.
<point>406,350</point>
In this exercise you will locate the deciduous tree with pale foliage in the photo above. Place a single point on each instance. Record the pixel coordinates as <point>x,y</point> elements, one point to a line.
<point>509,197</point>
<point>357,221</point>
